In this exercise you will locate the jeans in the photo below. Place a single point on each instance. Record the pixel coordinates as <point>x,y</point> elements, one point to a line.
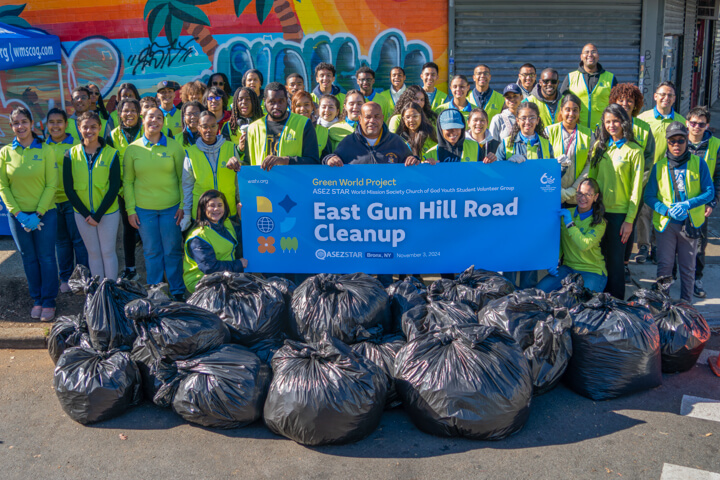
<point>162,247</point>
<point>670,243</point>
<point>528,279</point>
<point>37,249</point>
<point>69,247</point>
<point>593,281</point>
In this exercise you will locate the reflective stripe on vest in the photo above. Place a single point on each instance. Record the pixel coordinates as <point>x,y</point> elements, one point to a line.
<point>532,152</point>
<point>593,103</point>
<point>547,117</point>
<point>289,145</point>
<point>494,105</point>
<point>224,251</point>
<point>711,154</point>
<point>91,184</point>
<point>582,144</point>
<point>666,194</point>
<point>223,180</point>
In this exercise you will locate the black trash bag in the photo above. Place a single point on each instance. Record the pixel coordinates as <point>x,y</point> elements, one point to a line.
<point>351,308</point>
<point>324,394</point>
<point>159,293</point>
<point>434,316</point>
<point>472,287</point>
<point>266,349</point>
<point>572,293</point>
<point>168,332</point>
<point>683,330</point>
<point>286,287</point>
<point>404,295</point>
<point>81,281</point>
<point>540,328</point>
<point>382,353</point>
<point>223,388</point>
<point>107,324</point>
<point>465,381</point>
<point>66,332</point>
<point>252,308</point>
<point>616,349</point>
<point>93,386</point>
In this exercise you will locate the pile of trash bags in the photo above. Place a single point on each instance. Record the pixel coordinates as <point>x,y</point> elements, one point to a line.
<point>683,330</point>
<point>320,362</point>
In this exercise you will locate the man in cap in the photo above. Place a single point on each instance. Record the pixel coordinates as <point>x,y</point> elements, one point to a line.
<point>166,96</point>
<point>679,187</point>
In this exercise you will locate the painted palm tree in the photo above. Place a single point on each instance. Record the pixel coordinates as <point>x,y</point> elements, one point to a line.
<point>175,15</point>
<point>10,15</point>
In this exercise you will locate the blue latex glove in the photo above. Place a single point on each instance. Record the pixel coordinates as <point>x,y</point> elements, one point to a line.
<point>684,205</point>
<point>676,212</point>
<point>566,215</point>
<point>23,218</point>
<point>32,222</point>
<point>553,271</point>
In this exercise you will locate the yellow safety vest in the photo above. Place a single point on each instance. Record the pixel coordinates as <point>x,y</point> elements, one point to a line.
<point>322,137</point>
<point>547,117</point>
<point>59,149</point>
<point>91,184</point>
<point>471,152</point>
<point>532,152</point>
<point>223,179</point>
<point>582,144</point>
<point>173,123</point>
<point>493,107</point>
<point>290,143</point>
<point>666,193</point>
<point>711,154</point>
<point>595,102</point>
<point>224,251</point>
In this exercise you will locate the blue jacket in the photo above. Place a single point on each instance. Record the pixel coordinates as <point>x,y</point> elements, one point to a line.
<point>354,149</point>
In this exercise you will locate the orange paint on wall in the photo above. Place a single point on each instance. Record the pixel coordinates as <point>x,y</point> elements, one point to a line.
<point>411,16</point>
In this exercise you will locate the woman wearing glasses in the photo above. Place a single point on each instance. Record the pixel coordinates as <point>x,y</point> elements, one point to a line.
<point>617,165</point>
<point>215,100</point>
<point>191,115</point>
<point>221,81</point>
<point>581,231</point>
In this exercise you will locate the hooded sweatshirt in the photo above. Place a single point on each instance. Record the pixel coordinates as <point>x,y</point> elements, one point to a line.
<point>551,104</point>
<point>591,79</point>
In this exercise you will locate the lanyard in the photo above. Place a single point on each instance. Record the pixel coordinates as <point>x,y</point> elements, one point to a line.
<point>571,138</point>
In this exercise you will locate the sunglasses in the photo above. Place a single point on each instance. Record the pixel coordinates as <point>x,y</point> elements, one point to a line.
<point>218,84</point>
<point>214,99</point>
<point>549,82</point>
<point>697,124</point>
<point>679,141</point>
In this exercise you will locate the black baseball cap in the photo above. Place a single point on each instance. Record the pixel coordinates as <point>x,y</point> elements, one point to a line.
<point>676,128</point>
<point>167,84</point>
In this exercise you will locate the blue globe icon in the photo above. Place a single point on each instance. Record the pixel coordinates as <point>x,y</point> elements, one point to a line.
<point>265,224</point>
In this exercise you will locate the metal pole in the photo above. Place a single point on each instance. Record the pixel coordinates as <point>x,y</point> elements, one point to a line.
<point>451,40</point>
<point>62,88</point>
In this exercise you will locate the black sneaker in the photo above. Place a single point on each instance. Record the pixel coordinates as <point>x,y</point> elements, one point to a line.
<point>178,297</point>
<point>642,254</point>
<point>628,277</point>
<point>130,275</point>
<point>698,290</point>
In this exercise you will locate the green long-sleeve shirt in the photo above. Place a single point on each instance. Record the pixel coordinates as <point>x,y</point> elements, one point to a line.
<point>580,245</point>
<point>620,176</point>
<point>28,177</point>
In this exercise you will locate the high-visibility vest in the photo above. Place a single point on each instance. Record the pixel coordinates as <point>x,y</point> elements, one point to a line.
<point>582,144</point>
<point>223,247</point>
<point>532,152</point>
<point>222,179</point>
<point>289,145</point>
<point>92,183</point>
<point>595,102</point>
<point>666,193</point>
<point>471,152</point>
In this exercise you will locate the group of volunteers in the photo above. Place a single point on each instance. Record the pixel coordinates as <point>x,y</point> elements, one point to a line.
<point>164,166</point>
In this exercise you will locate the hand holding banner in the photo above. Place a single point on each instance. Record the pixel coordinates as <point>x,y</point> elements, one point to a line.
<point>396,219</point>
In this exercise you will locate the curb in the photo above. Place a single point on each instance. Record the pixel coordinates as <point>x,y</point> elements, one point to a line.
<point>23,338</point>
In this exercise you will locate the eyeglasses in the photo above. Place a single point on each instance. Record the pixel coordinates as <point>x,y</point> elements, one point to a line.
<point>549,82</point>
<point>192,114</point>
<point>482,74</point>
<point>527,75</point>
<point>218,84</point>
<point>697,124</point>
<point>665,95</point>
<point>95,94</point>
<point>584,195</point>
<point>527,119</point>
<point>214,99</point>
<point>679,141</point>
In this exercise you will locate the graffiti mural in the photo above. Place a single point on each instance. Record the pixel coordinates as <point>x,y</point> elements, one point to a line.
<point>109,42</point>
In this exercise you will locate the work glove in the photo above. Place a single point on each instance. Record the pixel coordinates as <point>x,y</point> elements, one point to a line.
<point>566,215</point>
<point>185,223</point>
<point>553,271</point>
<point>517,158</point>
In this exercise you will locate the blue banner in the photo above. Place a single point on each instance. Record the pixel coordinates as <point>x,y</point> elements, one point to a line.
<point>395,219</point>
<point>24,48</point>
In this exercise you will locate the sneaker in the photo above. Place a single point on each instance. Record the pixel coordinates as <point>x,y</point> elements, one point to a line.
<point>628,277</point>
<point>130,275</point>
<point>178,297</point>
<point>642,254</point>
<point>698,290</point>
<point>64,287</point>
<point>47,314</point>
<point>36,312</point>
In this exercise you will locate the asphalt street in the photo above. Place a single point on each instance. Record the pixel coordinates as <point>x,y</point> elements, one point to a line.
<point>643,436</point>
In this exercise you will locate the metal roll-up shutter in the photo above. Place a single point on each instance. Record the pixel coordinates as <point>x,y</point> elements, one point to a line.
<point>674,18</point>
<point>688,55</point>
<point>715,88</point>
<point>508,33</point>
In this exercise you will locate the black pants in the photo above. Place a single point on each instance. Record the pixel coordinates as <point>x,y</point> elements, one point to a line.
<point>700,259</point>
<point>614,252</point>
<point>129,238</point>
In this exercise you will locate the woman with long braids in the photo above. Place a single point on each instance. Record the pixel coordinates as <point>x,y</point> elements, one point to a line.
<point>190,116</point>
<point>573,140</point>
<point>413,94</point>
<point>28,182</point>
<point>416,130</point>
<point>245,110</point>
<point>581,231</point>
<point>617,165</point>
